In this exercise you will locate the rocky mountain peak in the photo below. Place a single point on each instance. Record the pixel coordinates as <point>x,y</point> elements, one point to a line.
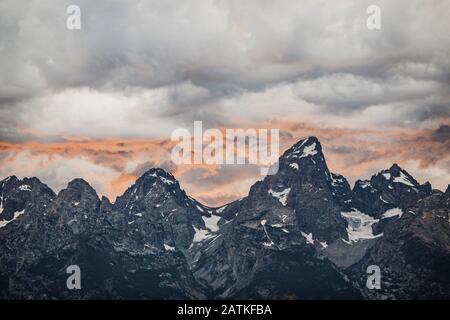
<point>9,179</point>
<point>79,184</point>
<point>105,201</point>
<point>18,196</point>
<point>154,185</point>
<point>309,148</point>
<point>105,204</point>
<point>78,188</point>
<point>398,175</point>
<point>159,172</point>
<point>304,163</point>
<point>78,198</point>
<point>157,176</point>
<point>392,188</point>
<point>303,195</point>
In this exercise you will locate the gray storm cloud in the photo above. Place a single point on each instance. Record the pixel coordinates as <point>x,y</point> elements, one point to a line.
<point>137,69</point>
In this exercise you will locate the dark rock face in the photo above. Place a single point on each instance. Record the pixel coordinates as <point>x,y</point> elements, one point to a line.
<point>388,189</point>
<point>124,250</point>
<point>413,254</point>
<point>299,234</point>
<point>304,186</point>
<point>278,227</point>
<point>17,196</point>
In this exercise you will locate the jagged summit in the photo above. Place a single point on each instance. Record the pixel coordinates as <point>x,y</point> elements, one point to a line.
<point>156,179</point>
<point>304,161</point>
<point>305,188</point>
<point>78,188</point>
<point>159,176</point>
<point>158,172</point>
<point>31,185</point>
<point>77,198</point>
<point>105,200</point>
<point>304,148</point>
<point>306,141</point>
<point>392,188</point>
<point>398,175</point>
<point>25,184</point>
<point>79,184</point>
<point>19,196</point>
<point>9,179</point>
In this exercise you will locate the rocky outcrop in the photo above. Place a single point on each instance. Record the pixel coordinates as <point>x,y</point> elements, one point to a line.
<point>391,188</point>
<point>413,255</point>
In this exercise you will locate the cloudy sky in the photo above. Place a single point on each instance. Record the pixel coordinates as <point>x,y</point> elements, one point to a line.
<point>101,102</point>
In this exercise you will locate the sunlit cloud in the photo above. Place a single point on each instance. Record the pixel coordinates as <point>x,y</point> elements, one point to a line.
<point>113,165</point>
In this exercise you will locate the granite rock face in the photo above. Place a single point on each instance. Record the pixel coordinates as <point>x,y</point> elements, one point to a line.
<point>413,254</point>
<point>302,233</point>
<point>391,188</point>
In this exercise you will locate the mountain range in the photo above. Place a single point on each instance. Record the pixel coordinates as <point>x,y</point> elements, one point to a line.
<point>302,233</point>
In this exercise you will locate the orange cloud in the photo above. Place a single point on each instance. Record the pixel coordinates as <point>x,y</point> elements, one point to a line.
<point>113,165</point>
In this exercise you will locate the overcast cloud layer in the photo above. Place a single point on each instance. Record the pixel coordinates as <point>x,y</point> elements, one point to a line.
<point>139,69</point>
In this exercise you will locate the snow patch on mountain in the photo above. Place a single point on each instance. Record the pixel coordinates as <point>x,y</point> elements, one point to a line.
<point>270,243</point>
<point>387,175</point>
<point>359,225</point>
<point>163,179</point>
<point>392,213</point>
<point>336,181</point>
<point>364,184</point>
<point>308,237</point>
<point>211,223</point>
<point>1,203</point>
<point>281,196</point>
<point>403,179</point>
<point>309,150</point>
<point>168,248</point>
<point>25,187</point>
<point>201,234</point>
<point>15,216</point>
<point>221,208</point>
<point>276,225</point>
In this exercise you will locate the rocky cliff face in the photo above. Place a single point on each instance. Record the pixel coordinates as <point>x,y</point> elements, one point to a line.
<point>278,232</point>
<point>413,254</point>
<point>391,188</point>
<point>301,233</point>
<point>125,250</point>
